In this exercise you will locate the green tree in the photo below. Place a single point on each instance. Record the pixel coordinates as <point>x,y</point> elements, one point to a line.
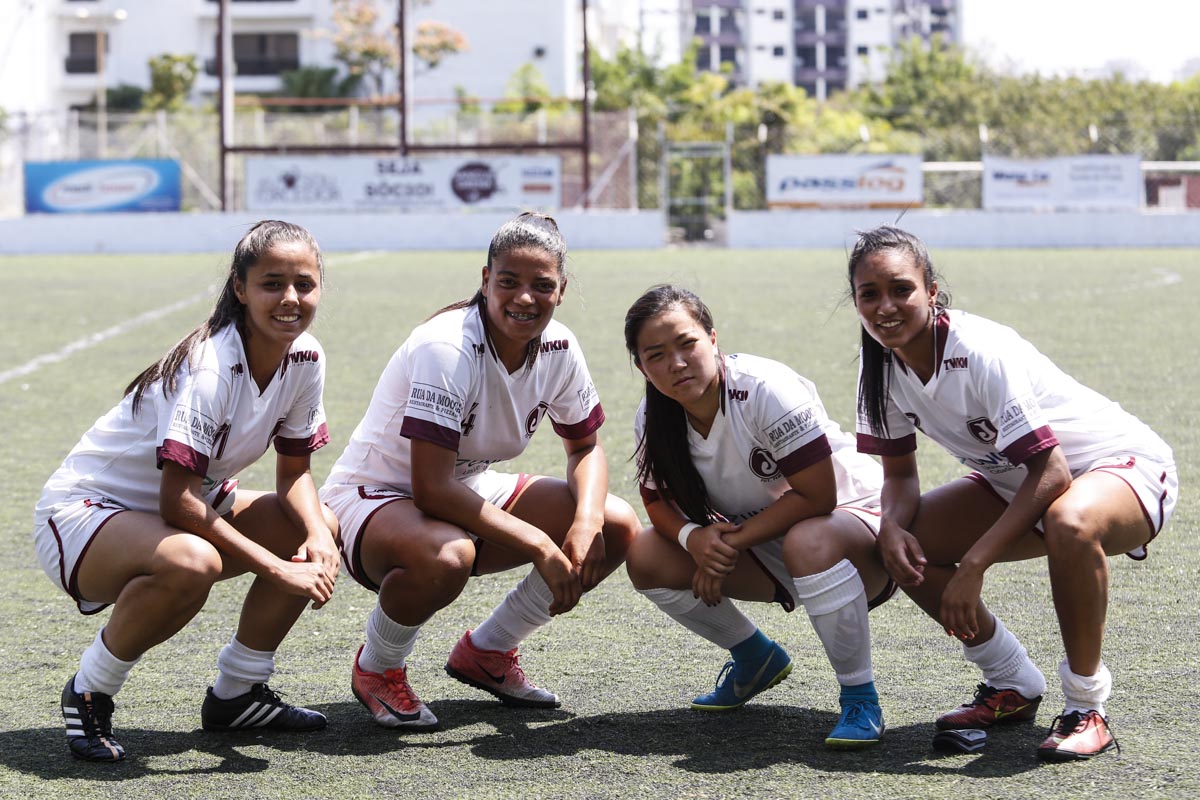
<point>171,80</point>
<point>527,92</point>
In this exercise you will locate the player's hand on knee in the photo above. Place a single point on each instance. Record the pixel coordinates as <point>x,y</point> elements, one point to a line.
<point>306,579</point>
<point>562,579</point>
<point>707,587</point>
<point>902,555</point>
<point>320,550</point>
<point>710,551</point>
<point>960,599</point>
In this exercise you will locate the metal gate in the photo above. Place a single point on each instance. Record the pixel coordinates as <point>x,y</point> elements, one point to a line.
<point>696,184</point>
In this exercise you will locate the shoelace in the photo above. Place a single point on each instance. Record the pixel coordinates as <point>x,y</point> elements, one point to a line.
<point>856,710</point>
<point>263,692</point>
<point>100,715</point>
<point>397,681</point>
<point>983,693</point>
<point>723,674</point>
<point>514,664</point>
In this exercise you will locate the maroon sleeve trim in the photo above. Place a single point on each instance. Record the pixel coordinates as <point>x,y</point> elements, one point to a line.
<point>302,447</point>
<point>1030,445</point>
<point>581,430</point>
<point>815,451</point>
<point>413,428</point>
<point>874,446</point>
<point>178,452</point>
<point>649,495</point>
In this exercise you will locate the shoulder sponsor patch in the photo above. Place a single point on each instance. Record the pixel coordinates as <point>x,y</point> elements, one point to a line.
<point>436,401</point>
<point>793,425</point>
<point>1015,414</point>
<point>587,396</point>
<point>195,426</point>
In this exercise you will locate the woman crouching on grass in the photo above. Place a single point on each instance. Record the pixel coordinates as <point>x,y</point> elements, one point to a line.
<point>422,509</point>
<point>1061,472</point>
<point>753,493</point>
<point>145,514</point>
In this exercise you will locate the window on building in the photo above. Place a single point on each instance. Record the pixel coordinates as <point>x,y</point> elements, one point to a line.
<point>863,50</point>
<point>862,13</point>
<point>810,89</point>
<point>778,51</point>
<point>834,86</point>
<point>806,57</point>
<point>729,55</point>
<point>703,24</point>
<point>778,14</point>
<point>81,53</point>
<point>728,23</point>
<point>835,57</point>
<point>835,20</point>
<point>806,19</point>
<point>703,59</point>
<point>262,54</point>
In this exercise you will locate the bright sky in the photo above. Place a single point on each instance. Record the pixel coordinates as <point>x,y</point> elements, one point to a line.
<point>1082,36</point>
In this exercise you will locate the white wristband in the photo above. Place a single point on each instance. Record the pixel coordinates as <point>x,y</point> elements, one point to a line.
<point>685,532</point>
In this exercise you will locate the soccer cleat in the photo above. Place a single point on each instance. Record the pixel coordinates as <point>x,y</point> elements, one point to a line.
<point>991,706</point>
<point>390,699</point>
<point>861,725</point>
<point>497,673</point>
<point>737,683</point>
<point>89,724</point>
<point>1077,736</point>
<point>258,708</point>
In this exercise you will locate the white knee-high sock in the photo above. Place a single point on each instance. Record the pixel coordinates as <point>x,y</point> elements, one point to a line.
<point>723,624</point>
<point>101,671</point>
<point>1005,663</point>
<point>388,643</point>
<point>239,668</point>
<point>836,602</point>
<point>519,615</point>
<point>1085,692</point>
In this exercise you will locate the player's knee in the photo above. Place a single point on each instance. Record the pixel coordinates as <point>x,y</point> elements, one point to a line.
<point>643,560</point>
<point>190,564</point>
<point>447,567</point>
<point>811,547</point>
<point>621,527</point>
<point>1067,529</point>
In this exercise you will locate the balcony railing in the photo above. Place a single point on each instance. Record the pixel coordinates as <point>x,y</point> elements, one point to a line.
<point>80,65</point>
<point>255,66</point>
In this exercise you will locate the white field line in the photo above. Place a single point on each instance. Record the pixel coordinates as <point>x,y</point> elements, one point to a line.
<point>93,339</point>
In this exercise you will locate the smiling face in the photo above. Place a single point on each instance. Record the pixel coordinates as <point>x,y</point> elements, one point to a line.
<point>521,289</point>
<point>280,295</point>
<point>894,304</point>
<point>679,358</point>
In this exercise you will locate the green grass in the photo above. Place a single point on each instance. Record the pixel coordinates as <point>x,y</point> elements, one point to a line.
<point>1119,321</point>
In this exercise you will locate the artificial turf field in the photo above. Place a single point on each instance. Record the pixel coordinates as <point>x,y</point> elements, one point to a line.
<point>72,334</point>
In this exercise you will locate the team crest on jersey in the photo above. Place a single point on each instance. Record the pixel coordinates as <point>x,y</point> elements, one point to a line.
<point>533,418</point>
<point>762,464</point>
<point>982,429</point>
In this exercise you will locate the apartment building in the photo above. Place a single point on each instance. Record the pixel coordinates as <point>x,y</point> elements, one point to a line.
<point>823,46</point>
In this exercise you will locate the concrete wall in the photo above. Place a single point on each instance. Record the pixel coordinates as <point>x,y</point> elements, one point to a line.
<point>969,228</point>
<point>198,233</point>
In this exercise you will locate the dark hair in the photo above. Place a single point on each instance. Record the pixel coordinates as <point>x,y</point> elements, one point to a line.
<point>660,453</point>
<point>876,359</point>
<point>526,231</point>
<point>229,310</point>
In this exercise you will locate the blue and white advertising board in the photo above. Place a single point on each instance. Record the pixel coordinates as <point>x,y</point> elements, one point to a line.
<point>70,187</point>
<point>1066,183</point>
<point>845,181</point>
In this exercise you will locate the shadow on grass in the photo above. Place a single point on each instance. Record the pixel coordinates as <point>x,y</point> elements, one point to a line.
<point>753,738</point>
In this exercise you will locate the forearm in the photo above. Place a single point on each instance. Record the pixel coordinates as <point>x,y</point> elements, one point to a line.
<point>899,500</point>
<point>459,505</point>
<point>298,495</point>
<point>190,513</point>
<point>1045,482</point>
<point>776,519</point>
<point>587,480</point>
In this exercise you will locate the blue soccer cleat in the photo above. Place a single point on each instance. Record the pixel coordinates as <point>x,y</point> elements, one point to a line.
<point>738,682</point>
<point>861,725</point>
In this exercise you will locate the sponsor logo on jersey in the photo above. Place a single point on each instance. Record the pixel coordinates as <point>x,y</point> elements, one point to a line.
<point>556,345</point>
<point>195,427</point>
<point>793,425</point>
<point>739,395</point>
<point>993,462</point>
<point>304,357</point>
<point>237,369</point>
<point>957,362</point>
<point>763,465</point>
<point>982,429</point>
<point>480,349</point>
<point>436,400</point>
<point>533,418</point>
<point>313,413</point>
<point>1016,414</point>
<point>587,396</point>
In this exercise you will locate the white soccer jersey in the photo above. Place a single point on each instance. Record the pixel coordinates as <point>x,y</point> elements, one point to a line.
<point>446,385</point>
<point>771,424</point>
<point>215,424</point>
<point>994,401</point>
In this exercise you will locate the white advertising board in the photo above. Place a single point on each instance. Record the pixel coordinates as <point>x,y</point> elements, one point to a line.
<point>844,181</point>
<point>368,183</point>
<point>1066,183</point>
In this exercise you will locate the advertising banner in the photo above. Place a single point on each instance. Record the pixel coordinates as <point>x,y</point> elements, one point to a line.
<point>844,181</point>
<point>1067,183</point>
<point>368,183</point>
<point>70,187</point>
